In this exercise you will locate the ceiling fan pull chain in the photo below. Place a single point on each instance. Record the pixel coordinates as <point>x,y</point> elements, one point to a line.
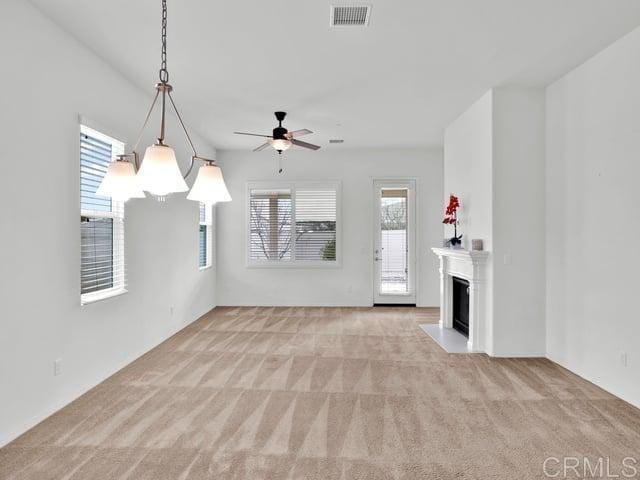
<point>164,73</point>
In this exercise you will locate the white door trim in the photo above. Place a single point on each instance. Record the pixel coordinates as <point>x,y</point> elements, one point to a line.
<point>411,185</point>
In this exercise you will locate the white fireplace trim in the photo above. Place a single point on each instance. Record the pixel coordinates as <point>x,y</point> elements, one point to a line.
<point>471,266</point>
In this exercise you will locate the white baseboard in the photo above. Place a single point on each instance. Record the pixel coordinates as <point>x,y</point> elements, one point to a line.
<point>591,379</point>
<point>293,304</point>
<point>517,355</point>
<point>308,304</point>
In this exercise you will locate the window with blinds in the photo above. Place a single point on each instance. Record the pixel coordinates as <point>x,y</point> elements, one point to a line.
<point>205,236</point>
<point>293,224</point>
<point>102,270</point>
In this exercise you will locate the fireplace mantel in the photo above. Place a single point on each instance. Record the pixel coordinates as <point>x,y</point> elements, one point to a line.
<point>470,265</point>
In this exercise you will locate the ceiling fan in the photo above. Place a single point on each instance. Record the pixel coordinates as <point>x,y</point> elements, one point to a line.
<point>282,139</point>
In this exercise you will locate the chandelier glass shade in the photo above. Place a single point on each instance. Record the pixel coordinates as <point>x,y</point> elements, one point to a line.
<point>120,182</point>
<point>209,186</point>
<point>160,173</point>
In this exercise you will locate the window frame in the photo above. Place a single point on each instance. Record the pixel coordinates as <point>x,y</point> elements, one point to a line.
<point>208,224</point>
<point>117,215</point>
<point>293,186</point>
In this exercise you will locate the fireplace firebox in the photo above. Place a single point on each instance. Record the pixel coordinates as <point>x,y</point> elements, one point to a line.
<point>460,305</point>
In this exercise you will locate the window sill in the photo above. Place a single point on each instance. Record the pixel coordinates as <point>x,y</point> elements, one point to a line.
<point>207,267</point>
<point>294,265</point>
<point>89,298</point>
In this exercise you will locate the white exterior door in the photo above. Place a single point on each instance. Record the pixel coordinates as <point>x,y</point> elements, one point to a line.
<point>394,242</point>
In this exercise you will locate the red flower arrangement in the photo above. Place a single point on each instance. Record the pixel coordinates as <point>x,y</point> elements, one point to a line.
<point>451,218</point>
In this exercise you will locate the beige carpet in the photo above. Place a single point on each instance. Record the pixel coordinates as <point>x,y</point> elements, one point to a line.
<point>324,393</point>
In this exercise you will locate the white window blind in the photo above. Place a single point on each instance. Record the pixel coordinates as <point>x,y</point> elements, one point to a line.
<point>293,224</point>
<point>102,270</point>
<point>205,236</point>
<point>315,224</point>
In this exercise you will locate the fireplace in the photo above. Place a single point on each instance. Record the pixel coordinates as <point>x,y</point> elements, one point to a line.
<point>460,293</point>
<point>463,283</point>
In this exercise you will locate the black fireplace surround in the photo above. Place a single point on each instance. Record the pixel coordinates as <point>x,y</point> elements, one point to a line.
<point>461,305</point>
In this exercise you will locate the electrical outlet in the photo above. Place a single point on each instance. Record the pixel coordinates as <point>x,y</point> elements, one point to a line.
<point>171,310</point>
<point>507,259</point>
<point>57,367</point>
<point>624,359</point>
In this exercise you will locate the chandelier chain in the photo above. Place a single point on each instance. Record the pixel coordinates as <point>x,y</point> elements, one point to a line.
<point>164,73</point>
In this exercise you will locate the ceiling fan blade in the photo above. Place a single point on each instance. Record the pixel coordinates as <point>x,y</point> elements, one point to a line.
<point>304,144</point>
<point>262,147</point>
<point>298,133</point>
<point>253,134</point>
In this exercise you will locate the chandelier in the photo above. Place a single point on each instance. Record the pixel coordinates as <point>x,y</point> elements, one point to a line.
<point>159,173</point>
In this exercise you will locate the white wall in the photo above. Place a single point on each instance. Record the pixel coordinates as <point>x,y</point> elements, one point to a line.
<point>494,162</point>
<point>518,222</point>
<point>47,80</point>
<point>468,167</point>
<point>593,167</point>
<point>352,283</point>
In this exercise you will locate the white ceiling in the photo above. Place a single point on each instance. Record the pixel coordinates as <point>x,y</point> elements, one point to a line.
<point>399,82</point>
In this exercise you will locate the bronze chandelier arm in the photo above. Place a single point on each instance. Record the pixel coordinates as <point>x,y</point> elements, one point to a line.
<point>146,121</point>
<point>134,153</point>
<point>184,129</point>
<point>195,155</point>
<point>166,91</point>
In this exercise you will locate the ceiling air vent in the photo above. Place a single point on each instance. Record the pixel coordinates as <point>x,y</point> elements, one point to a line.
<point>336,140</point>
<point>350,15</point>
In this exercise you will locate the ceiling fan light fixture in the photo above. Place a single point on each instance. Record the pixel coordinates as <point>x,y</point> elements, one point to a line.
<point>209,186</point>
<point>281,144</point>
<point>282,139</point>
<point>159,173</point>
<point>120,182</point>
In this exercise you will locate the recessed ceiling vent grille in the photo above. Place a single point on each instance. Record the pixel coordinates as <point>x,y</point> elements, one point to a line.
<point>350,15</point>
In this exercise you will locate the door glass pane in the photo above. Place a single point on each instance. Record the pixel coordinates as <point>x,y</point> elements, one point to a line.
<point>394,278</point>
